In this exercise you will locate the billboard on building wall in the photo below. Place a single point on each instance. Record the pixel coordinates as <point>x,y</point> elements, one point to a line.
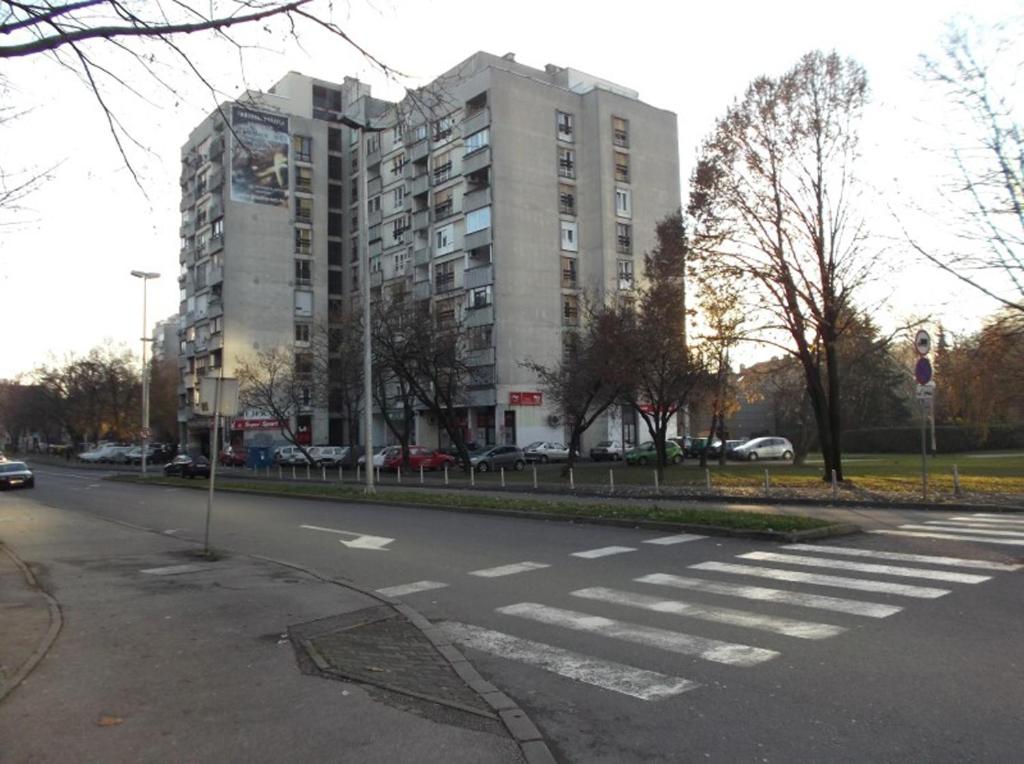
<point>259,157</point>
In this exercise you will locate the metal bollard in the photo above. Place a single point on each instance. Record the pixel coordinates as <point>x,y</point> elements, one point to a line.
<point>956,481</point>
<point>359,469</point>
<point>341,474</point>
<point>572,481</point>
<point>535,477</point>
<point>707,479</point>
<point>766,482</point>
<point>502,477</point>
<point>611,480</point>
<point>421,474</point>
<point>378,474</point>
<point>472,475</point>
<point>835,486</point>
<point>323,472</point>
<point>446,474</point>
<point>657,488</point>
<point>398,474</point>
<point>293,472</point>
<point>307,471</point>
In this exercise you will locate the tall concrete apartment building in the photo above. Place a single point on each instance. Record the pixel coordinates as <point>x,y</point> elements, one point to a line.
<point>501,193</point>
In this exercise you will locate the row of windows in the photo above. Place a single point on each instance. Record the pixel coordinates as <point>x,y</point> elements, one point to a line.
<point>565,129</point>
<point>623,237</point>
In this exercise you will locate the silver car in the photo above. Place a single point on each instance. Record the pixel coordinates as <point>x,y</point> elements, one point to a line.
<point>546,451</point>
<point>764,448</point>
<point>497,457</point>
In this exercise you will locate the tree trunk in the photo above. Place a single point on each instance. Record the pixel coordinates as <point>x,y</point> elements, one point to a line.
<point>834,407</point>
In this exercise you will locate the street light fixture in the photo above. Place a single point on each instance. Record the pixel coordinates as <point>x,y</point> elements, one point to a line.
<point>145,276</point>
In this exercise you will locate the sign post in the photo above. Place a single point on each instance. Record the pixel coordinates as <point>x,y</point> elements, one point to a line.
<point>925,394</point>
<point>225,401</point>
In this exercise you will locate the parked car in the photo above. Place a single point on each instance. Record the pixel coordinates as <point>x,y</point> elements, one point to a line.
<point>188,466</point>
<point>285,455</point>
<point>105,453</point>
<point>233,456</point>
<point>380,454</point>
<point>765,448</point>
<point>646,453</point>
<point>419,456</point>
<point>731,446</point>
<point>685,443</point>
<point>496,457</point>
<point>546,451</point>
<point>607,449</point>
<point>153,454</point>
<point>16,475</point>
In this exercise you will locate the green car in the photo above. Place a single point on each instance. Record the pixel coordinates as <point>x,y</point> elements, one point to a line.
<point>645,453</point>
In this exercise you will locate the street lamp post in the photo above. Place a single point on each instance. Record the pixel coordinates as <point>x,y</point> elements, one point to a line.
<point>145,276</point>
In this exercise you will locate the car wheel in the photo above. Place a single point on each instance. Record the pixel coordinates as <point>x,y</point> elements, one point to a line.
<point>483,467</point>
<point>676,459</point>
<point>642,461</point>
<point>787,455</point>
<point>752,457</point>
<point>519,465</point>
<point>543,458</point>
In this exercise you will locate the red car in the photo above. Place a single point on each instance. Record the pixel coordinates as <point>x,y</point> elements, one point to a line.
<point>233,457</point>
<point>420,457</point>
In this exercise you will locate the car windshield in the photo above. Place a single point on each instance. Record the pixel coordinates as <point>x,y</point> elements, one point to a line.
<point>13,467</point>
<point>535,444</point>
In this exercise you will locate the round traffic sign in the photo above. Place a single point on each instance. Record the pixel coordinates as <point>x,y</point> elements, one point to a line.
<point>923,371</point>
<point>922,342</point>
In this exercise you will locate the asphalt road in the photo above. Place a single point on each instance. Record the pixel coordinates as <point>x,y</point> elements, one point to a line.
<point>819,655</point>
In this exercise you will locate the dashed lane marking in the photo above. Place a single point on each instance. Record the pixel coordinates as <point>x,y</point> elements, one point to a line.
<point>416,586</point>
<point>509,570</point>
<point>605,551</point>
<point>679,538</point>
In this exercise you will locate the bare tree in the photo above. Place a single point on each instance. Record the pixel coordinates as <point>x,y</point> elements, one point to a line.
<point>662,370</point>
<point>283,384</point>
<point>774,196</point>
<point>981,83</point>
<point>589,377</point>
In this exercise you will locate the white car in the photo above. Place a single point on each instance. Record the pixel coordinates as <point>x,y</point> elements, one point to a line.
<point>106,454</point>
<point>380,454</point>
<point>546,451</point>
<point>329,456</point>
<point>764,448</point>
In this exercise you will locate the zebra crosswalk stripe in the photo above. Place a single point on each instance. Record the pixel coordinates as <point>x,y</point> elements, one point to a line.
<point>980,530</point>
<point>785,626</point>
<point>956,562</point>
<point>951,537</point>
<point>820,579</point>
<point>508,570</point>
<point>672,641</point>
<point>865,567</point>
<point>1002,518</point>
<point>679,538</point>
<point>989,521</point>
<point>617,677</point>
<point>766,594</point>
<point>416,586</point>
<point>605,551</point>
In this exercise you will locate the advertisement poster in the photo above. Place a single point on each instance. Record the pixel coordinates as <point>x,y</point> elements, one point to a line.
<point>259,157</point>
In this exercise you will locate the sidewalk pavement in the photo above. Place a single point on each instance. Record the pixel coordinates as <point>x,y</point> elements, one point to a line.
<point>165,656</point>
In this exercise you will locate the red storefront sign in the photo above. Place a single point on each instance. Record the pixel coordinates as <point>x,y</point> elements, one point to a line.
<point>256,424</point>
<point>526,399</point>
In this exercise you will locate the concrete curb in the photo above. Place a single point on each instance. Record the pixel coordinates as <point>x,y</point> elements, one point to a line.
<point>835,529</point>
<point>56,623</point>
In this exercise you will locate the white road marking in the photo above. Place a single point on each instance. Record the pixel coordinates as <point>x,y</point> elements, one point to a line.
<point>608,675</point>
<point>865,567</point>
<point>663,639</point>
<point>174,570</point>
<point>786,626</point>
<point>416,586</point>
<point>1005,518</point>
<point>605,551</point>
<point>989,520</point>
<point>957,562</point>
<point>508,570</point>
<point>966,528</point>
<point>953,537</point>
<point>679,538</point>
<point>817,579</point>
<point>819,601</point>
<point>361,540</point>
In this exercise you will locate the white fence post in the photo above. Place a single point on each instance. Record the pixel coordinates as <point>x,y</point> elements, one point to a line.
<point>835,486</point>
<point>657,488</point>
<point>446,474</point>
<point>535,477</point>
<point>707,479</point>
<point>502,477</point>
<point>611,480</point>
<point>572,481</point>
<point>956,481</point>
<point>421,473</point>
<point>766,481</point>
<point>398,474</point>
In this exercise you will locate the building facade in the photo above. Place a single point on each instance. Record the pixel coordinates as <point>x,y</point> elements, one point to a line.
<point>500,193</point>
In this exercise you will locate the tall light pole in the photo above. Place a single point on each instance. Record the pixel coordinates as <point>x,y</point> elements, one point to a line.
<point>367,116</point>
<point>145,276</point>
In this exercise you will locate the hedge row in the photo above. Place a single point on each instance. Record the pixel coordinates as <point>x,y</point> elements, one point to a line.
<point>948,439</point>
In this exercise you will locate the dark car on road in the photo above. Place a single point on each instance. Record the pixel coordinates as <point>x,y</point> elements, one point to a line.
<point>496,457</point>
<point>188,466</point>
<point>16,475</point>
<point>233,456</point>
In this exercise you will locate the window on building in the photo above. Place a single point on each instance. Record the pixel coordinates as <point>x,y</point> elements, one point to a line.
<point>625,269</point>
<point>216,325</point>
<point>565,126</point>
<point>302,334</point>
<point>442,165</point>
<point>621,167</point>
<point>566,199</point>
<point>372,143</point>
<point>566,163</point>
<point>444,276</point>
<point>570,241</point>
<point>480,297</point>
<point>303,272</point>
<point>398,197</point>
<point>446,312</point>
<point>302,148</point>
<point>303,363</point>
<point>355,249</point>
<point>419,133</point>
<point>354,279</point>
<point>623,203</point>
<point>304,179</point>
<point>334,200</point>
<point>334,142</point>
<point>620,132</point>
<point>353,191</point>
<point>398,163</point>
<point>569,280</point>
<point>444,239</point>
<point>480,337</point>
<point>335,224</point>
<point>570,310</point>
<point>334,282</point>
<point>478,220</point>
<point>303,241</point>
<point>399,227</point>
<point>303,209</point>
<point>477,140</point>
<point>624,238</point>
<point>334,168</point>
<point>374,204</point>
<point>444,205</point>
<point>334,252</point>
<point>396,134</point>
<point>443,128</point>
<point>303,304</point>
<point>217,228</point>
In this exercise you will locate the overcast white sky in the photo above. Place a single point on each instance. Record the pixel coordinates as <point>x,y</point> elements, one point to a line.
<point>64,270</point>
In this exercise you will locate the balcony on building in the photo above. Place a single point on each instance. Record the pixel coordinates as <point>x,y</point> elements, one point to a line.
<point>188,199</point>
<point>420,219</point>
<point>444,210</point>
<point>476,120</point>
<point>475,199</point>
<point>419,150</point>
<point>421,290</point>
<point>625,283</point>
<point>216,149</point>
<point>421,256</point>
<point>216,243</point>
<point>373,186</point>
<point>480,317</point>
<point>569,280</point>
<point>376,278</point>
<point>216,180</point>
<point>478,277</point>
<point>216,275</point>
<point>477,239</point>
<point>476,161</point>
<point>375,247</point>
<point>421,184</point>
<point>375,217</point>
